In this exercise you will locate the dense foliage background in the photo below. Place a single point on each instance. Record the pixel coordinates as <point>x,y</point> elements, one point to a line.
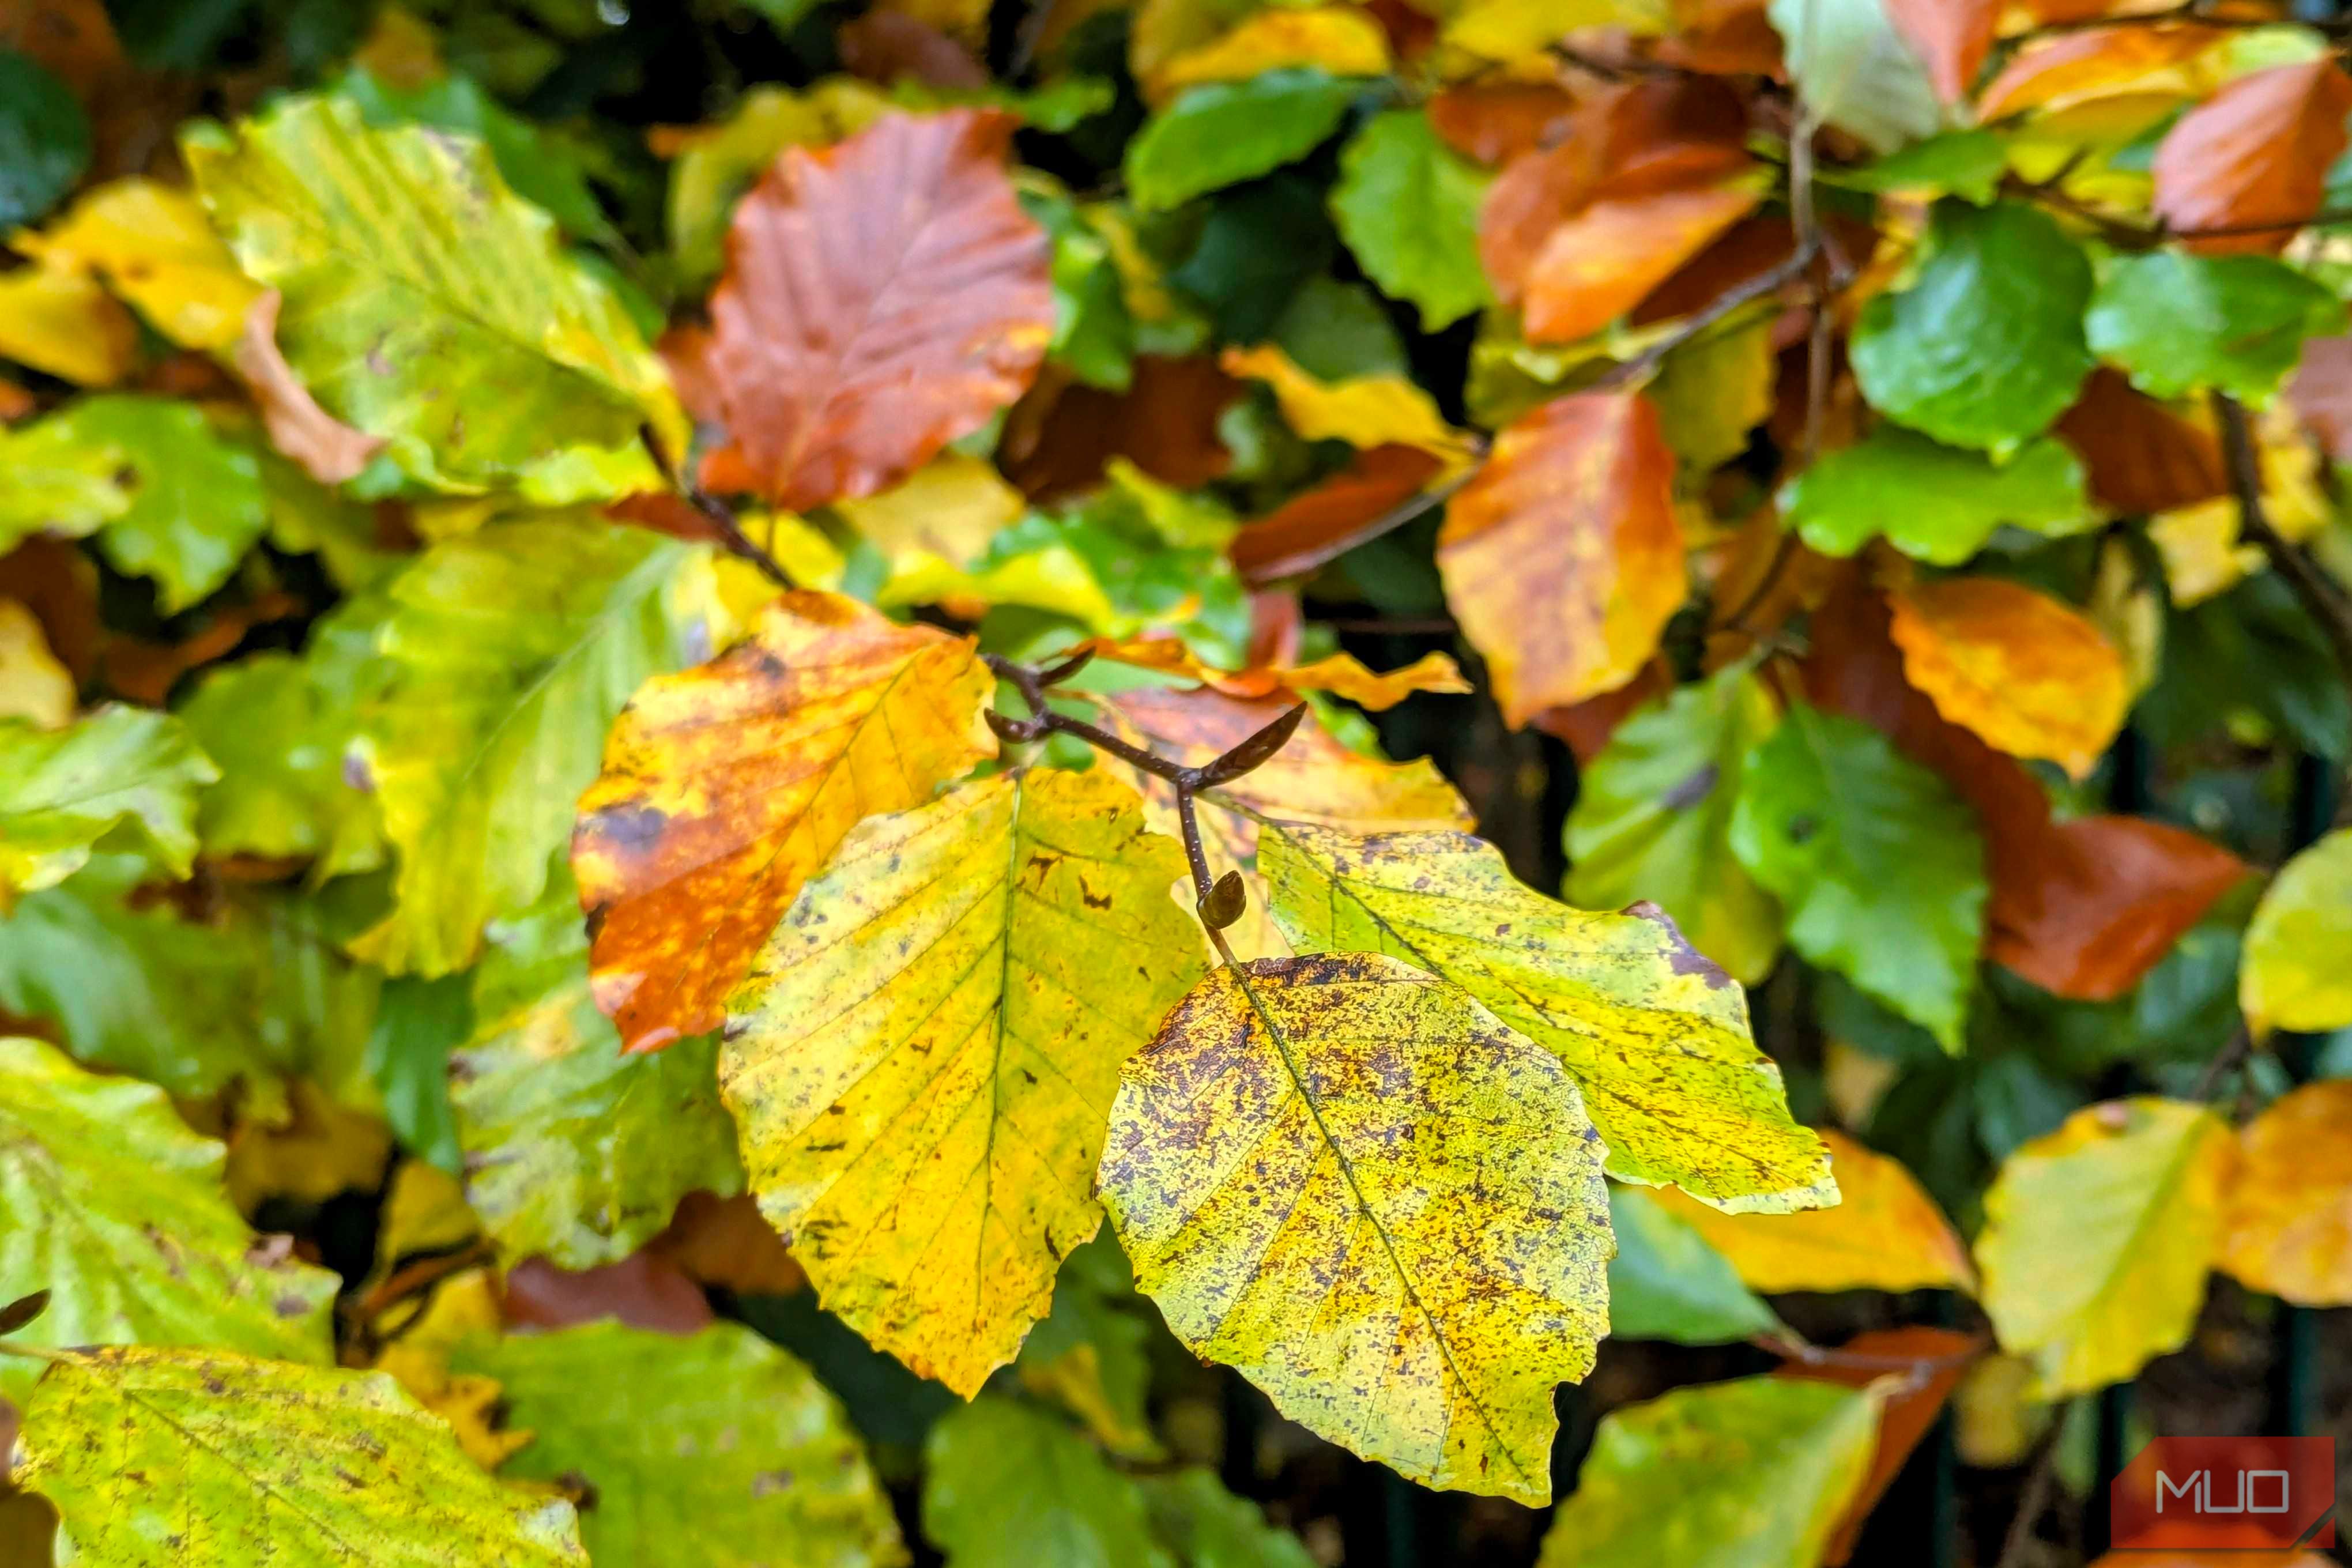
<point>647,759</point>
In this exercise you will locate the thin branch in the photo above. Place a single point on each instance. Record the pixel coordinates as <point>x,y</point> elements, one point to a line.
<point>1810,1355</point>
<point>2235,1050</point>
<point>1730,299</point>
<point>720,515</point>
<point>2322,598</point>
<point>2030,1507</point>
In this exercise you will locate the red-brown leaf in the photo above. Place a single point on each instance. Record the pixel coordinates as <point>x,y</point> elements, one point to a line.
<point>882,297</point>
<point>1496,121</point>
<point>1953,36</point>
<point>1905,1415</point>
<point>328,450</point>
<point>2139,455</point>
<point>2322,393</point>
<point>1320,523</point>
<point>2256,152</point>
<point>644,1289</point>
<point>884,46</point>
<point>1059,438</point>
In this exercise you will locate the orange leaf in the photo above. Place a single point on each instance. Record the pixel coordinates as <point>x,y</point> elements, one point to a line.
<point>1494,121</point>
<point>2140,457</point>
<point>1953,36</point>
<point>2257,151</point>
<point>1059,439</point>
<point>882,297</point>
<point>1320,523</point>
<point>1563,559</point>
<point>328,449</point>
<point>727,785</point>
<point>2029,675</point>
<point>71,38</point>
<point>1885,1234</point>
<point>2078,67</point>
<point>2289,1226</point>
<point>2219,1558</point>
<point>1340,674</point>
<point>729,1243</point>
<point>1600,263</point>
<point>1904,1416</point>
<point>1585,727</point>
<point>2322,393</point>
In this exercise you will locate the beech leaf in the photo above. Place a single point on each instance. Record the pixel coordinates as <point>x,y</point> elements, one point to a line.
<point>1407,205</point>
<point>2027,674</point>
<point>2288,1231</point>
<point>1221,133</point>
<point>2296,973</point>
<point>2256,152</point>
<point>116,778</point>
<point>1667,1282</point>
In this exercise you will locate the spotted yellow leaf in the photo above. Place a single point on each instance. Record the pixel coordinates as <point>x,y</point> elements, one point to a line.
<point>921,1060</point>
<point>1352,1183</point>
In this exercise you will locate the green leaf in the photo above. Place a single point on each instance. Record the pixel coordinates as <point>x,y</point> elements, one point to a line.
<point>1336,331</point>
<point>1985,347</point>
<point>1407,205</point>
<point>56,480</point>
<point>1093,333</point>
<point>1750,1474</point>
<point>44,139</point>
<point>1951,501</point>
<point>1091,1354</point>
<point>1965,163</point>
<point>1208,1527</point>
<point>571,1148</point>
<point>1667,1283</point>
<point>512,649</point>
<point>428,305</point>
<point>1712,392</point>
<point>1853,71</point>
<point>1261,244</point>
<point>1336,1173</point>
<point>2179,324</point>
<point>1006,1486</point>
<point>1224,132</point>
<point>1879,865</point>
<point>110,1203</point>
<point>1655,1036</point>
<point>117,778</point>
<point>714,1450</point>
<point>2297,969</point>
<point>1652,817</point>
<point>535,165</point>
<point>279,727</point>
<point>244,1461</point>
<point>418,1023</point>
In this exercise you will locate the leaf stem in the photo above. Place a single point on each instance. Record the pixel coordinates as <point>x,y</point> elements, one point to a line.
<point>720,516</point>
<point>38,1353</point>
<point>2323,598</point>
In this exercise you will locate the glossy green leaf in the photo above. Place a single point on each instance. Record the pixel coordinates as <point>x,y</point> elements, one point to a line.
<point>2178,323</point>
<point>117,778</point>
<point>571,1148</point>
<point>1853,71</point>
<point>44,139</point>
<point>1984,347</point>
<point>110,1205</point>
<point>713,1450</point>
<point>425,304</point>
<point>1667,1283</point>
<point>1407,205</point>
<point>1951,500</point>
<point>1007,1486</point>
<point>1653,816</point>
<point>1751,1474</point>
<point>1656,1035</point>
<point>511,650</point>
<point>1224,132</point>
<point>1878,864</point>
<point>206,1459</point>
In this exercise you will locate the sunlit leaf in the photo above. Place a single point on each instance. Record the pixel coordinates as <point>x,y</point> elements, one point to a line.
<point>2297,969</point>
<point>2028,674</point>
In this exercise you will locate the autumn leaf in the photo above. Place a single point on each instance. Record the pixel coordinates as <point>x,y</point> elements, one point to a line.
<point>2140,456</point>
<point>852,339</point>
<point>153,246</point>
<point>2253,157</point>
<point>2069,69</point>
<point>2028,674</point>
<point>1322,523</point>
<point>2287,1230</point>
<point>1603,261</point>
<point>61,320</point>
<point>1667,1283</point>
<point>1339,40</point>
<point>725,786</point>
<point>921,1059</point>
<point>2097,1237</point>
<point>1654,1035</point>
<point>2294,972</point>
<point>328,450</point>
<point>1346,1091</point>
<point>1365,411</point>
<point>1562,557</point>
<point>118,777</point>
<point>1340,674</point>
<point>1907,1411</point>
<point>1885,1233</point>
<point>1953,38</point>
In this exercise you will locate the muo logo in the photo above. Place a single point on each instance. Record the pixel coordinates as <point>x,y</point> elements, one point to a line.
<point>2223,1492</point>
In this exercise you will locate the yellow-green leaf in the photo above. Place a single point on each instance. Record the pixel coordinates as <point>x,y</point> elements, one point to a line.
<point>1352,1183</point>
<point>154,246</point>
<point>1656,1035</point>
<point>2098,1238</point>
<point>205,1459</point>
<point>123,777</point>
<point>110,1205</point>
<point>2297,972</point>
<point>922,1060</point>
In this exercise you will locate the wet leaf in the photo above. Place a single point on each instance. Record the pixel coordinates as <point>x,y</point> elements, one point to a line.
<point>921,1059</point>
<point>1953,500</point>
<point>247,1444</point>
<point>1224,132</point>
<point>2254,153</point>
<point>2097,1237</point>
<point>1407,205</point>
<point>1656,1035</point>
<point>724,787</point>
<point>2297,969</point>
<point>2181,323</point>
<point>2288,1230</point>
<point>109,1202</point>
<point>712,1449</point>
<point>1667,1283</point>
<point>118,778</point>
<point>1444,1205</point>
<point>2029,675</point>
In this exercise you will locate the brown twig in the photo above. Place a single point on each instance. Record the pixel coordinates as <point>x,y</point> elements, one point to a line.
<point>2322,597</point>
<point>720,515</point>
<point>2235,1050</point>
<point>2036,1499</point>
<point>1810,1355</point>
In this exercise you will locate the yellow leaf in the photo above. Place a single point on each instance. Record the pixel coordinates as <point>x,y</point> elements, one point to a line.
<point>33,684</point>
<point>1885,1233</point>
<point>2028,674</point>
<point>155,247</point>
<point>1515,30</point>
<point>950,508</point>
<point>2290,1211</point>
<point>1656,1035</point>
<point>1356,1186</point>
<point>2098,1238</point>
<point>1363,410</point>
<point>63,322</point>
<point>1340,674</point>
<point>1994,1423</point>
<point>725,786</point>
<point>921,1063</point>
<point>2296,969</point>
<point>319,1149</point>
<point>462,1307</point>
<point>400,50</point>
<point>1342,39</point>
<point>424,1212</point>
<point>2202,554</point>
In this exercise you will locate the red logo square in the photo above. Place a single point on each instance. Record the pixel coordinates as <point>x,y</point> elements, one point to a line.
<point>2217,1493</point>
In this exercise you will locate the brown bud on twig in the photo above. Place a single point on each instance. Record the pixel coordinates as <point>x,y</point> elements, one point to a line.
<point>1252,752</point>
<point>1223,904</point>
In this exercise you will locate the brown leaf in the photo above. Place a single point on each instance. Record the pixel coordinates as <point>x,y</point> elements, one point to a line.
<point>644,1289</point>
<point>882,297</point>
<point>1340,674</point>
<point>2257,151</point>
<point>1496,121</point>
<point>55,581</point>
<point>2140,457</point>
<point>888,46</point>
<point>728,1243</point>
<point>1724,37</point>
<point>1585,727</point>
<point>1320,523</point>
<point>1904,1416</point>
<point>328,449</point>
<point>2075,67</point>
<point>725,786</point>
<point>1562,558</point>
<point>1600,263</point>
<point>1953,36</point>
<point>2321,392</point>
<point>146,671</point>
<point>1059,439</point>
<point>71,38</point>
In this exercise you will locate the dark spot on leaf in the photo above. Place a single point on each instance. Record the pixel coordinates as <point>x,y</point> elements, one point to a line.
<point>631,828</point>
<point>579,1490</point>
<point>1691,790</point>
<point>767,1483</point>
